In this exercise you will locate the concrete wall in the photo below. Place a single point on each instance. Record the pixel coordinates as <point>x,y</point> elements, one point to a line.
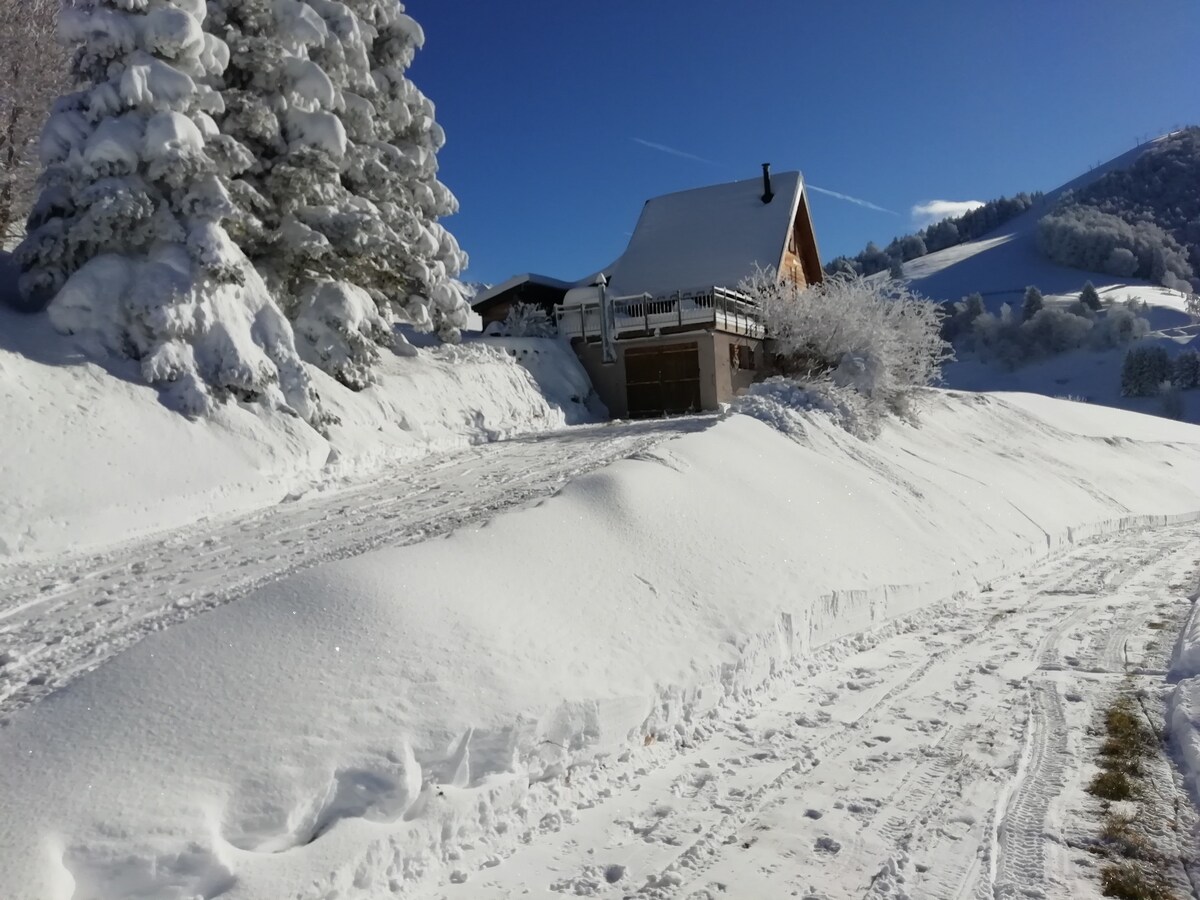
<point>609,381</point>
<point>719,382</point>
<point>730,381</point>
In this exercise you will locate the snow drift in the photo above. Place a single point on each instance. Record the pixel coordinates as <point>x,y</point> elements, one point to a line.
<point>405,717</point>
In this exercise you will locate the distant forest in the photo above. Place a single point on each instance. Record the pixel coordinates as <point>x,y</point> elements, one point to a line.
<point>939,236</point>
<point>1141,222</point>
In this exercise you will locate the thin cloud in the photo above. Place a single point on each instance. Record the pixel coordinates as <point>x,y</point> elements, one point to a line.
<point>855,200</point>
<point>663,148</point>
<point>932,211</point>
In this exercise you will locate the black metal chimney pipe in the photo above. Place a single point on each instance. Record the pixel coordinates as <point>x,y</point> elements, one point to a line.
<point>767,192</point>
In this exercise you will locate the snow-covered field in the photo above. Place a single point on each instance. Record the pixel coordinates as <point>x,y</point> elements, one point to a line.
<point>731,663</point>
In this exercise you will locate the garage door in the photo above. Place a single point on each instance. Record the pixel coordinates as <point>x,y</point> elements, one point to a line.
<point>662,380</point>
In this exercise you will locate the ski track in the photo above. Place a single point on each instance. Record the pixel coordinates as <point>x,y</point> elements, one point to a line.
<point>62,618</point>
<point>935,759</point>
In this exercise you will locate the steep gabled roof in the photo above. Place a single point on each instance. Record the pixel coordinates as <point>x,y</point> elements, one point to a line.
<point>708,236</point>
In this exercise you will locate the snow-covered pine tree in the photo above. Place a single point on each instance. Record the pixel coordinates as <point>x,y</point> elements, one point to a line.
<point>1090,297</point>
<point>393,165</point>
<point>296,221</point>
<point>340,210</point>
<point>1032,304</point>
<point>1144,371</point>
<point>1185,373</point>
<point>125,244</point>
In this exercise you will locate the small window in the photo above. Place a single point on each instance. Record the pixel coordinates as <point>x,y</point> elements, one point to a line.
<point>741,357</point>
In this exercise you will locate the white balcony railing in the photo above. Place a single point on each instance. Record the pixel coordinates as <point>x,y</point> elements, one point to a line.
<point>643,314</point>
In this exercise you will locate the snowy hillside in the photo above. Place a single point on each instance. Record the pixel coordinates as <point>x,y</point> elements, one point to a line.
<point>450,719</point>
<point>90,455</point>
<point>1003,263</point>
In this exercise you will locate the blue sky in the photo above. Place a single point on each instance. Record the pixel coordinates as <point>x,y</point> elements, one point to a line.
<point>551,108</point>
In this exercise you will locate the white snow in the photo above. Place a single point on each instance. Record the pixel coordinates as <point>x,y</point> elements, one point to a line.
<point>89,455</point>
<point>719,617</point>
<point>1183,719</point>
<point>707,236</point>
<point>318,130</point>
<point>559,376</point>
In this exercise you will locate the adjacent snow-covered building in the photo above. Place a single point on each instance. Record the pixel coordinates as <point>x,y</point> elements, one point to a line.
<point>681,337</point>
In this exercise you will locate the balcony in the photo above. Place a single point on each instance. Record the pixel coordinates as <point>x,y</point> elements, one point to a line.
<point>641,315</point>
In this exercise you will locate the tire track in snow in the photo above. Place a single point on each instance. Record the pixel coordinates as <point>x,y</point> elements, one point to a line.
<point>1022,833</point>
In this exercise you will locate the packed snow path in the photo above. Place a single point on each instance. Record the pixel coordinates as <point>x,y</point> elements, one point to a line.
<point>64,617</point>
<point>943,758</point>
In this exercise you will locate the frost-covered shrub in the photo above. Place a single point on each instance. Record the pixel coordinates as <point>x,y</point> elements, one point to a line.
<point>1052,331</point>
<point>874,336</point>
<point>961,315</point>
<point>1011,343</point>
<point>1118,326</point>
<point>126,243</point>
<point>1144,371</point>
<point>527,320</point>
<point>783,404</point>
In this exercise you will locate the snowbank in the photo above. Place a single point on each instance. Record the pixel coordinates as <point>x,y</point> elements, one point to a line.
<point>1183,712</point>
<point>558,373</point>
<point>90,456</point>
<point>407,715</point>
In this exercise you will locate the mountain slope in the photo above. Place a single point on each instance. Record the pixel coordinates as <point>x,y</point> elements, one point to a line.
<point>1002,263</point>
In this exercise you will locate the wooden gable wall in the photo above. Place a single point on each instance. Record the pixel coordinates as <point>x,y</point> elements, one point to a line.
<point>801,261</point>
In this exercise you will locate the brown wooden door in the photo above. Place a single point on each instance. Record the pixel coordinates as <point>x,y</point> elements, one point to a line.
<point>662,380</point>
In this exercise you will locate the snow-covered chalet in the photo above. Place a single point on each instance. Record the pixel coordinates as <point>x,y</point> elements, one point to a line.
<point>684,338</point>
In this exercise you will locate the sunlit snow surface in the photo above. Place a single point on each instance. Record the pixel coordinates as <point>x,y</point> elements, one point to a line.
<point>733,658</point>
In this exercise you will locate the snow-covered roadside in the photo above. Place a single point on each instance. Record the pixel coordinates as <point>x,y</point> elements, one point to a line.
<point>89,456</point>
<point>384,721</point>
<point>1183,714</point>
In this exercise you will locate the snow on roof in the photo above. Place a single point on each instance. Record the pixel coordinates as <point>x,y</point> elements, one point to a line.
<point>482,298</point>
<point>708,236</point>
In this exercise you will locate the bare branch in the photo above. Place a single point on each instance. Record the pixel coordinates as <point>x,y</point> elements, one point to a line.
<point>33,72</point>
